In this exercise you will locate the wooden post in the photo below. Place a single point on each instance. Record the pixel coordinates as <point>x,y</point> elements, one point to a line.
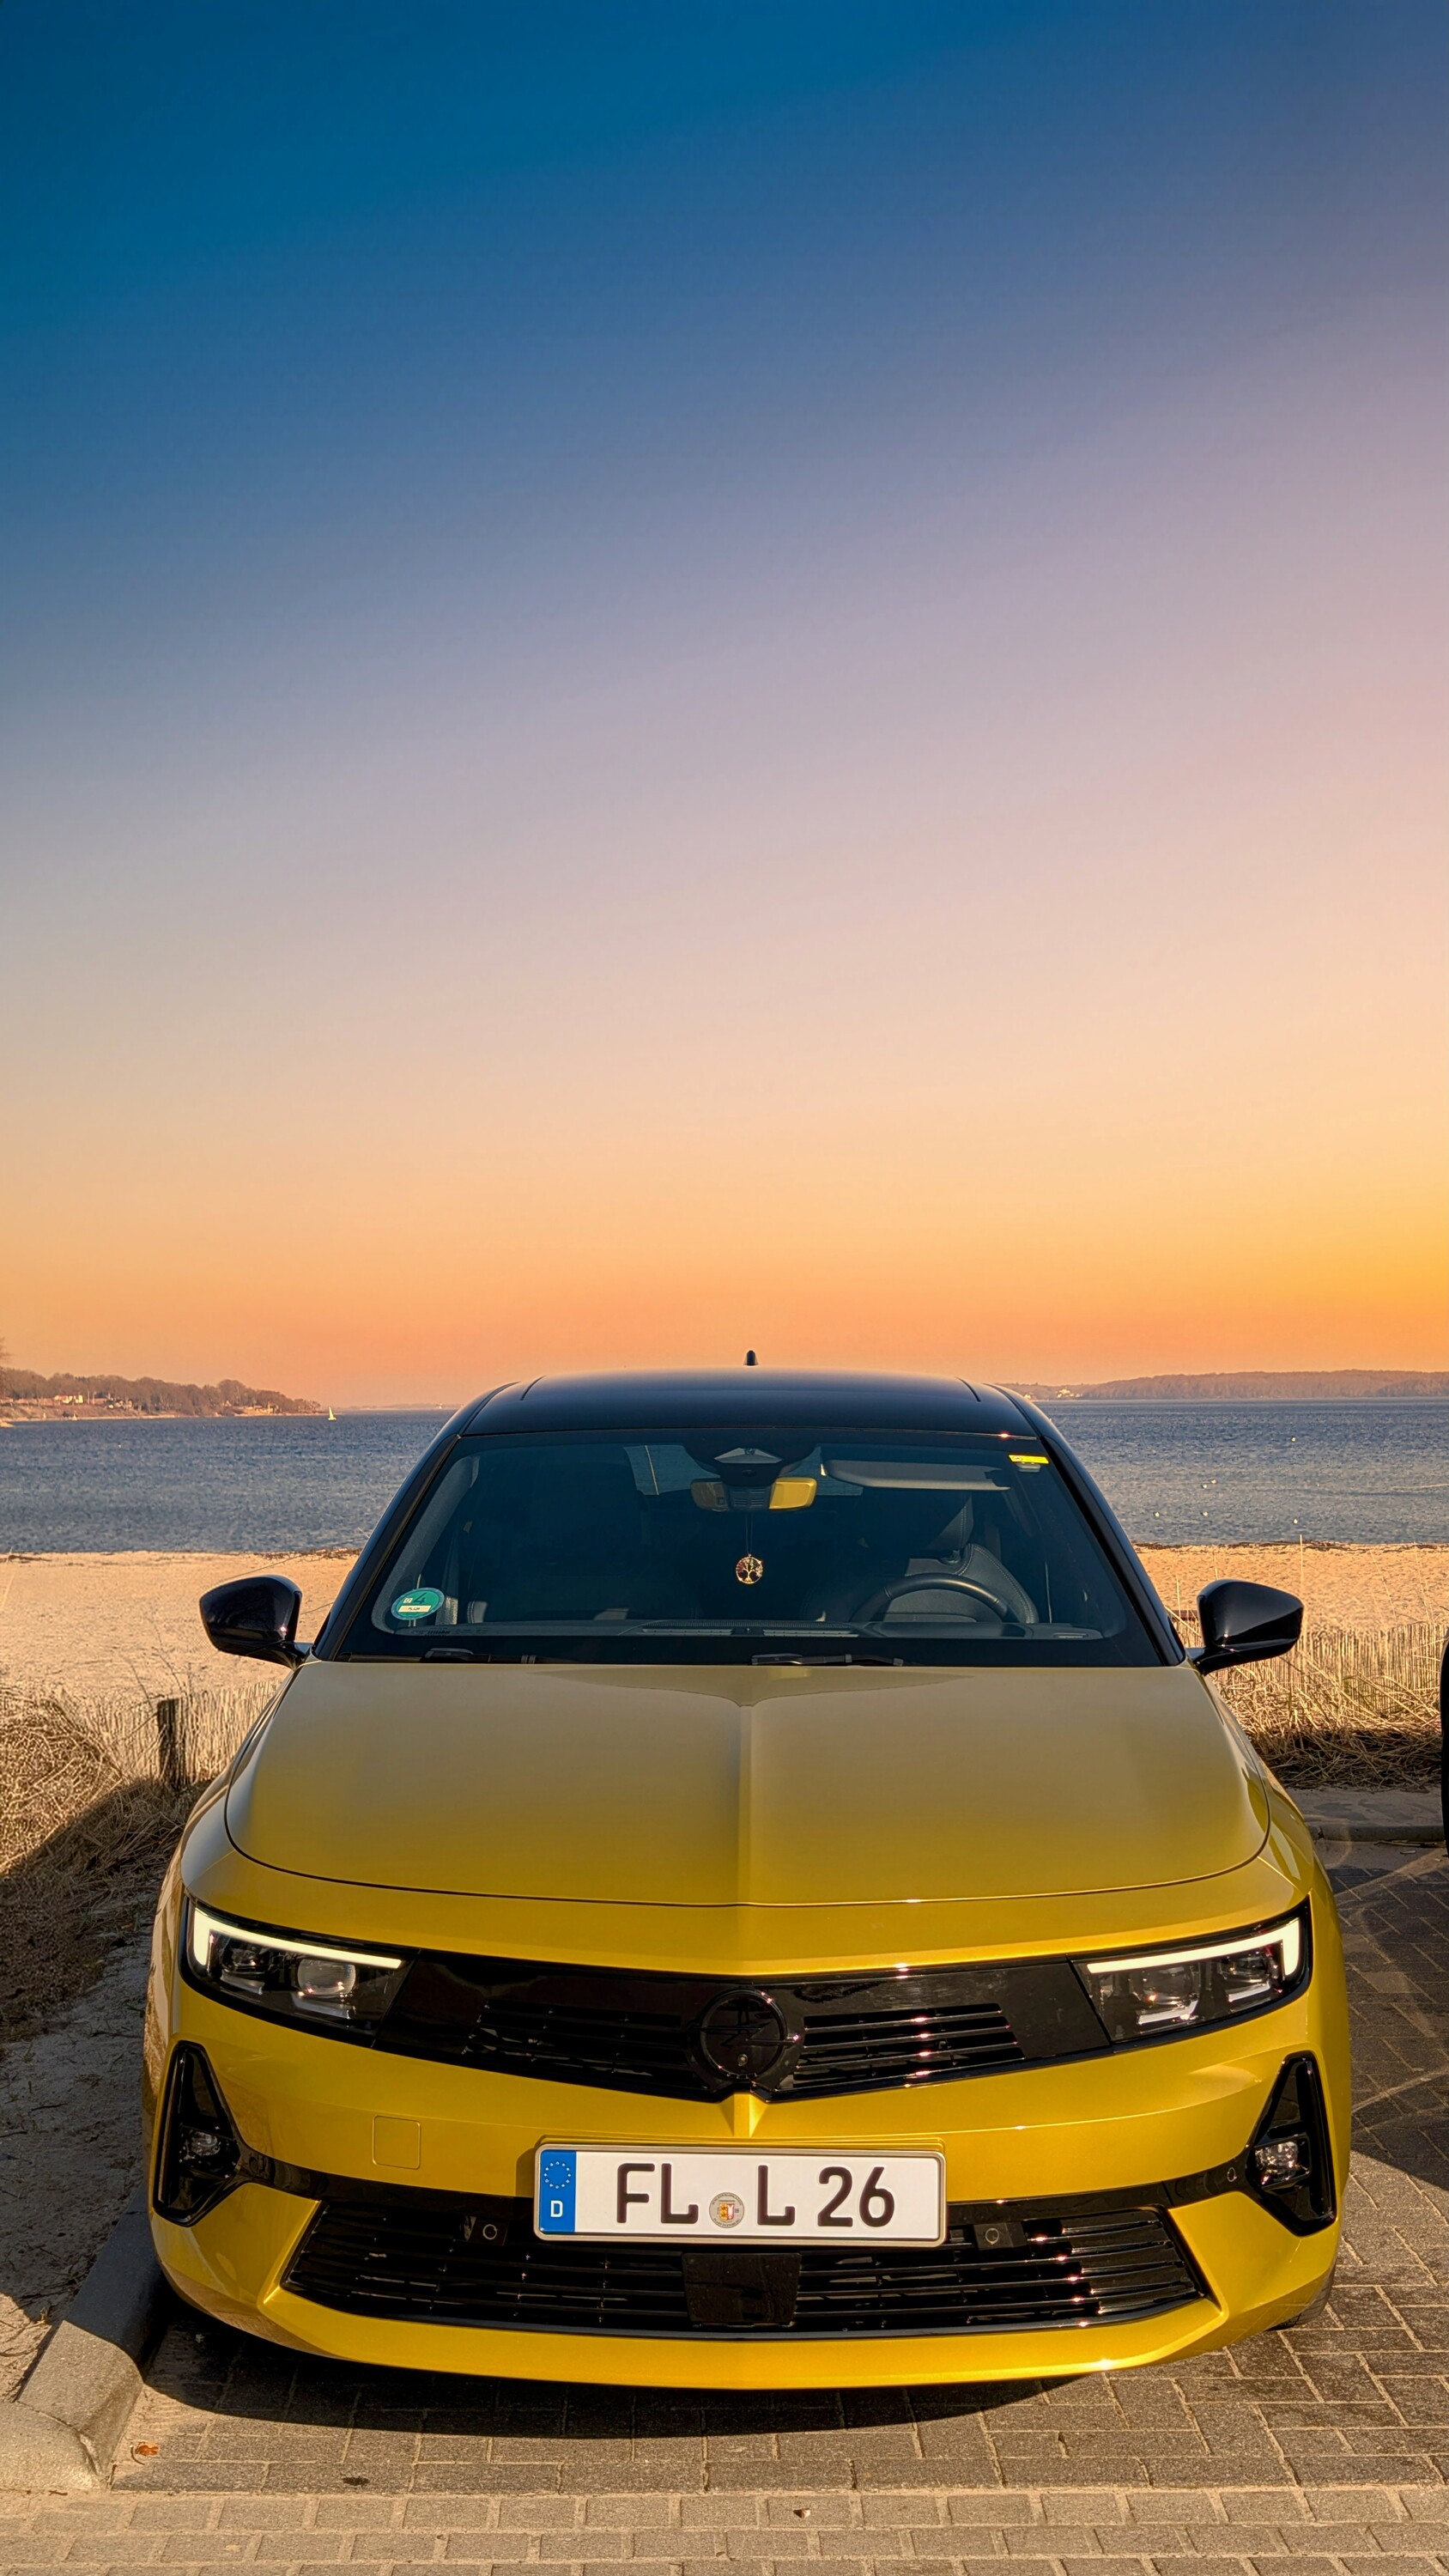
<point>171,1743</point>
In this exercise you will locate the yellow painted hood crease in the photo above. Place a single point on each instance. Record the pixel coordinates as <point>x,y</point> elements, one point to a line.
<point>703,1786</point>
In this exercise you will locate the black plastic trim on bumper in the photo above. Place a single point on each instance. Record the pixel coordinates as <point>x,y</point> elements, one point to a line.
<point>1296,2109</point>
<point>1017,2271</point>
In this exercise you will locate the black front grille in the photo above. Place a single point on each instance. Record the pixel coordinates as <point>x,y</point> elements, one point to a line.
<point>415,2259</point>
<point>649,2033</point>
<point>905,2039</point>
<point>582,2044</point>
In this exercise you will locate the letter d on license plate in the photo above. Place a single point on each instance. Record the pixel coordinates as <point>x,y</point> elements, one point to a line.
<point>735,2196</point>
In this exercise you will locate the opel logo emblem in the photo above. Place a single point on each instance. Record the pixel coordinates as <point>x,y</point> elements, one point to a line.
<point>745,2038</point>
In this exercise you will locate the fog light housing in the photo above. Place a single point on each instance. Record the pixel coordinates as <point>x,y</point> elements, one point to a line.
<point>199,2150</point>
<point>1281,2161</point>
<point>1290,2161</point>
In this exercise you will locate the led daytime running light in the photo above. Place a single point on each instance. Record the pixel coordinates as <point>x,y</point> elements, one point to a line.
<point>1286,1936</point>
<point>204,1925</point>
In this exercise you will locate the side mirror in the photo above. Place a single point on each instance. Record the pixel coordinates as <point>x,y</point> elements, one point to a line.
<point>1245,1623</point>
<point>256,1616</point>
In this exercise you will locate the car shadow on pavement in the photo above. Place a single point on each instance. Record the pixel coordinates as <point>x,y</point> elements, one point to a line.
<point>1396,1941</point>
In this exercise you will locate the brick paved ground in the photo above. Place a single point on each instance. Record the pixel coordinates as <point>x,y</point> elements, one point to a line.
<point>926,2530</point>
<point>1327,2441</point>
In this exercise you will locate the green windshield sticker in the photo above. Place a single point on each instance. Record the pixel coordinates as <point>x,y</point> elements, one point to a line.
<point>417,1605</point>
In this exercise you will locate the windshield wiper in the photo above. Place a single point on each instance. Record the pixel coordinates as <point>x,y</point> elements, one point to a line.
<point>890,1661</point>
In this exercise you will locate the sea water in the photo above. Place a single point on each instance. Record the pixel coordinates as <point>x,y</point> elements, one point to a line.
<point>1366,1472</point>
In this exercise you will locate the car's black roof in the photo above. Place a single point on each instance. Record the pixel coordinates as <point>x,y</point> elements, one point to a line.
<point>665,1399</point>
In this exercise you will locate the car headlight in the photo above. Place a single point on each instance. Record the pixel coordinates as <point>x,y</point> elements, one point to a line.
<point>288,1976</point>
<point>1163,1994</point>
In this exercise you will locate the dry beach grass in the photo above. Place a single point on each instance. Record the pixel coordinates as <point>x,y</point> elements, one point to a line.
<point>1356,1706</point>
<point>1348,1709</point>
<point>87,1823</point>
<point>88,1817</point>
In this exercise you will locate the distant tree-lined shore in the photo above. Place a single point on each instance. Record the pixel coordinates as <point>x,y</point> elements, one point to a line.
<point>27,1393</point>
<point>144,1395</point>
<point>1242,1385</point>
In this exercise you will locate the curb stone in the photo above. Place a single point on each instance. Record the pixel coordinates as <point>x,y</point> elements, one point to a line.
<point>1402,1816</point>
<point>61,2430</point>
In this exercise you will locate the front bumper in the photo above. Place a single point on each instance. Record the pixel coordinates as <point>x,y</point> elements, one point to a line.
<point>327,2123</point>
<point>232,2265</point>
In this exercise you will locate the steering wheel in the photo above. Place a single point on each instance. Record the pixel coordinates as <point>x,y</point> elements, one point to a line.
<point>881,1601</point>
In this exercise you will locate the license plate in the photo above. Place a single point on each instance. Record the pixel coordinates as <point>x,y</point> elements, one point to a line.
<point>735,2196</point>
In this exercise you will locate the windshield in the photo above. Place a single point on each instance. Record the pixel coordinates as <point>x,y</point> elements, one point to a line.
<point>760,1546</point>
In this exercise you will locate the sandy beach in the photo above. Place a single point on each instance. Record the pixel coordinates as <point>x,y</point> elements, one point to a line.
<point>101,1625</point>
<point>1340,1587</point>
<point>97,1626</point>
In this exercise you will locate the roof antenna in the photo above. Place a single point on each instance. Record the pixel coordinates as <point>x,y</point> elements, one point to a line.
<point>750,1360</point>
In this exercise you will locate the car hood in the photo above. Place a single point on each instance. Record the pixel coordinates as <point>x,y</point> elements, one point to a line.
<point>689,1786</point>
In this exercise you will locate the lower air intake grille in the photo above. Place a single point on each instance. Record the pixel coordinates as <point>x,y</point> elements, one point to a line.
<point>433,2266</point>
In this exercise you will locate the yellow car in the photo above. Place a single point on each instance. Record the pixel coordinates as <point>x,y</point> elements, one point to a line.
<point>748,1890</point>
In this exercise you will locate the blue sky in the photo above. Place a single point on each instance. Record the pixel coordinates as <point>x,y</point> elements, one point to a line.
<point>292,284</point>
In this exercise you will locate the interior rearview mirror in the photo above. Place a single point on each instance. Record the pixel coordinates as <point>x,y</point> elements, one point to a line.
<point>1245,1623</point>
<point>255,1616</point>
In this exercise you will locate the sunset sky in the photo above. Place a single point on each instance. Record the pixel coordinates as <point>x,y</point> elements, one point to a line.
<point>678,677</point>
